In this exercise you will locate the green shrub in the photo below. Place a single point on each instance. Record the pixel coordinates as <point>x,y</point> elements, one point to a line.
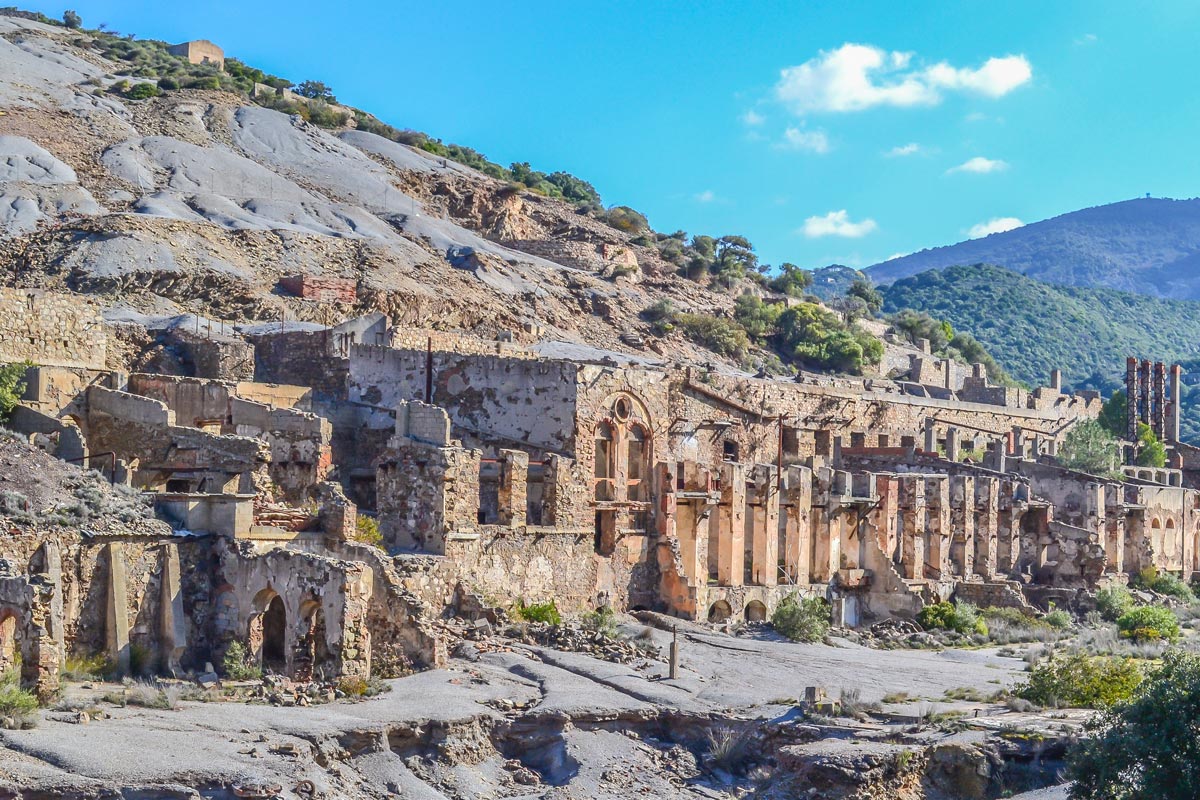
<point>1081,681</point>
<point>1058,619</point>
<point>86,668</point>
<point>12,386</point>
<point>17,705</point>
<point>546,612</point>
<point>722,336</point>
<point>143,91</point>
<point>1145,748</point>
<point>958,616</point>
<point>168,84</point>
<point>802,620</point>
<point>1113,601</point>
<point>602,621</point>
<point>366,531</point>
<point>210,82</point>
<point>1149,623</point>
<point>236,664</point>
<point>1163,583</point>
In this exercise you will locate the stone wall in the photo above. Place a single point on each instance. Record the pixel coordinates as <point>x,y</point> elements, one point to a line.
<point>531,402</point>
<point>59,330</point>
<point>200,51</point>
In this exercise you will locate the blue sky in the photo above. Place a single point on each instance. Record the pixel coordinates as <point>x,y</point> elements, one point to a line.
<point>837,132</point>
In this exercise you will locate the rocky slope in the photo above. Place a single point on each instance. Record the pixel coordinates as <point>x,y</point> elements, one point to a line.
<point>1148,246</point>
<point>198,200</point>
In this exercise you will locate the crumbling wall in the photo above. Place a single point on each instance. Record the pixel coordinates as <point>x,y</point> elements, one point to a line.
<point>59,330</point>
<point>531,402</point>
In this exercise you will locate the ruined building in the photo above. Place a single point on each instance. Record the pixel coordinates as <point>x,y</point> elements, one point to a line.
<point>533,470</point>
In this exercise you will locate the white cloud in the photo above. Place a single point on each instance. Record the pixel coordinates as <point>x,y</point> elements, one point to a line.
<point>980,165</point>
<point>1087,38</point>
<point>799,139</point>
<point>994,225</point>
<point>753,118</point>
<point>837,223</point>
<point>894,256</point>
<point>855,77</point>
<point>912,148</point>
<point>707,196</point>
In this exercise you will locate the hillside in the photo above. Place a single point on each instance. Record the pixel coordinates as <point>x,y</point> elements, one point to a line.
<point>1147,246</point>
<point>1032,327</point>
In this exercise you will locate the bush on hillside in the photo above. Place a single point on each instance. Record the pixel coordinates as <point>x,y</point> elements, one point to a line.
<point>1088,447</point>
<point>1149,624</point>
<point>546,612</point>
<point>1146,747</point>
<point>802,620</point>
<point>1113,602</point>
<point>1081,681</point>
<point>959,617</point>
<point>1163,583</point>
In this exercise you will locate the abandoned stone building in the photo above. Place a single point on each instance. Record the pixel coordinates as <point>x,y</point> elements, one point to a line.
<point>532,471</point>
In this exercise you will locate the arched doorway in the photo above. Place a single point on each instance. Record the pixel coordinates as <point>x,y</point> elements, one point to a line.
<point>756,611</point>
<point>10,652</point>
<point>274,625</point>
<point>720,611</point>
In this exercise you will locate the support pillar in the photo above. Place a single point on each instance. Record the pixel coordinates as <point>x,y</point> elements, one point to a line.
<point>731,528</point>
<point>116,626</point>
<point>764,542</point>
<point>173,632</point>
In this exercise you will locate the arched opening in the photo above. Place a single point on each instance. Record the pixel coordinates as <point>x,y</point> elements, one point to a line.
<point>756,611</point>
<point>603,471</point>
<point>313,651</point>
<point>636,464</point>
<point>274,626</point>
<point>1156,540</point>
<point>720,611</point>
<point>9,651</point>
<point>1170,543</point>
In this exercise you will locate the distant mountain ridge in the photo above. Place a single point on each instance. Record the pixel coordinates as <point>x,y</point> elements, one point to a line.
<point>1146,246</point>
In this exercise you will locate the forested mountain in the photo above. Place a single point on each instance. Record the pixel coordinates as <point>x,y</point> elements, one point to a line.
<point>1032,327</point>
<point>1148,246</point>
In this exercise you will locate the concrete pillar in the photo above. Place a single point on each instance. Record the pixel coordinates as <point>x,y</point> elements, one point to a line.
<point>837,452</point>
<point>764,542</point>
<point>930,436</point>
<point>513,490</point>
<point>1056,380</point>
<point>1007,543</point>
<point>731,527</point>
<point>116,627</point>
<point>1144,371</point>
<point>173,630</point>
<point>949,374</point>
<point>978,371</point>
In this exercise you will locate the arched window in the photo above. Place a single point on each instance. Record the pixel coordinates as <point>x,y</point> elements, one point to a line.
<point>604,471</point>
<point>636,466</point>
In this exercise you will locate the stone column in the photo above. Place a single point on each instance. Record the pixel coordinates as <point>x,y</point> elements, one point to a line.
<point>797,537</point>
<point>1007,541</point>
<point>1056,380</point>
<point>173,623</point>
<point>952,444</point>
<point>1158,401</point>
<point>514,487</point>
<point>930,436</point>
<point>962,522</point>
<point>916,529</point>
<point>116,627</point>
<point>764,542</point>
<point>937,516</point>
<point>987,499</point>
<point>731,526</point>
